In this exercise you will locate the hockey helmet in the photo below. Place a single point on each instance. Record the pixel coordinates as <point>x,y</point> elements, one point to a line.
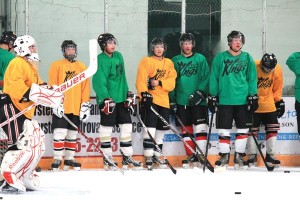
<point>69,44</point>
<point>157,41</point>
<point>104,38</point>
<point>235,34</point>
<point>268,62</point>
<point>187,37</point>
<point>8,37</point>
<point>22,44</point>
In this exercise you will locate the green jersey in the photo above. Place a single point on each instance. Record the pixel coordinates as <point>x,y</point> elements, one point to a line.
<point>110,80</point>
<point>5,58</point>
<point>293,62</point>
<point>233,78</point>
<point>192,74</point>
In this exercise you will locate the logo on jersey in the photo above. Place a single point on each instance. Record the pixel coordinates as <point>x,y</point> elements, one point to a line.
<point>159,74</point>
<point>264,82</point>
<point>187,69</point>
<point>69,75</point>
<point>233,66</point>
<point>119,69</point>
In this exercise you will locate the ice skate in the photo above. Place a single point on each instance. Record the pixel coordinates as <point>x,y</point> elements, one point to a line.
<point>191,160</point>
<point>272,161</point>
<point>252,161</point>
<point>108,163</point>
<point>8,189</point>
<point>55,165</point>
<point>71,163</point>
<point>149,163</point>
<point>161,162</point>
<point>128,160</point>
<point>223,160</point>
<point>239,162</point>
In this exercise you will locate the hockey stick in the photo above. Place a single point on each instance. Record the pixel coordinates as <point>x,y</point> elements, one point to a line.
<point>269,168</point>
<point>155,144</point>
<point>98,149</point>
<point>90,71</point>
<point>202,157</point>
<point>207,143</point>
<point>211,168</point>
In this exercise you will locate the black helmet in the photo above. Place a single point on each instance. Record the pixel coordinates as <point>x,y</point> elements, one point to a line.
<point>103,38</point>
<point>157,41</point>
<point>268,62</point>
<point>67,44</point>
<point>185,37</point>
<point>235,34</point>
<point>8,37</point>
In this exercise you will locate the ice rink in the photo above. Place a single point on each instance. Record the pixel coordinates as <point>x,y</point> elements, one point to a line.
<point>254,183</point>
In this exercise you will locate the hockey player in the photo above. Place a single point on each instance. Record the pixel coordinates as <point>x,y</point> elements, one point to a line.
<point>192,70</point>
<point>293,62</point>
<point>114,100</point>
<point>270,107</point>
<point>25,138</point>
<point>155,79</point>
<point>233,94</point>
<point>76,106</point>
<point>6,46</point>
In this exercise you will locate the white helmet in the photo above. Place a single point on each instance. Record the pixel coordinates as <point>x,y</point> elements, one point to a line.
<point>22,44</point>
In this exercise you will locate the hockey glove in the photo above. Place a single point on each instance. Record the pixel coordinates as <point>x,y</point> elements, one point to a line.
<point>280,108</point>
<point>25,97</point>
<point>59,111</point>
<point>149,83</point>
<point>108,106</point>
<point>85,111</point>
<point>213,102</point>
<point>196,98</point>
<point>147,99</point>
<point>130,103</point>
<point>252,103</point>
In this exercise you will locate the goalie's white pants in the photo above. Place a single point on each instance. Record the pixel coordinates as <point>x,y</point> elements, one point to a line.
<point>18,166</point>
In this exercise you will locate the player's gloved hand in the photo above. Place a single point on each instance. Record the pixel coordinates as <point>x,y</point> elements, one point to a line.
<point>280,108</point>
<point>197,97</point>
<point>130,103</point>
<point>108,106</point>
<point>173,108</point>
<point>59,111</point>
<point>252,103</point>
<point>85,111</point>
<point>149,83</point>
<point>213,102</point>
<point>147,99</point>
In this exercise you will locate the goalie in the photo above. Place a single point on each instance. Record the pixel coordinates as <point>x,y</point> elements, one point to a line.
<point>23,137</point>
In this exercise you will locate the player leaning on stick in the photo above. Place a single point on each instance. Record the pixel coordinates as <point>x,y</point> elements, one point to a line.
<point>233,90</point>
<point>190,94</point>
<point>114,99</point>
<point>76,106</point>
<point>270,107</point>
<point>155,79</point>
<point>25,138</point>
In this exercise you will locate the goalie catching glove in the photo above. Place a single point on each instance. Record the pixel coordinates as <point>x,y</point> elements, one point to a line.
<point>280,108</point>
<point>108,106</point>
<point>85,111</point>
<point>196,98</point>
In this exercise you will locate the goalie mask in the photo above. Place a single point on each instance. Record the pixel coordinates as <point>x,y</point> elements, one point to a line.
<point>25,46</point>
<point>268,62</point>
<point>69,50</point>
<point>187,37</point>
<point>8,37</point>
<point>104,38</point>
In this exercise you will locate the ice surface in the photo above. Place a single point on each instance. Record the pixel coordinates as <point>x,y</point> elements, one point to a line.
<point>254,183</point>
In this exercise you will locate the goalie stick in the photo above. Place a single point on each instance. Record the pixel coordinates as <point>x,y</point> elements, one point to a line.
<point>98,149</point>
<point>201,156</point>
<point>154,142</point>
<point>90,71</point>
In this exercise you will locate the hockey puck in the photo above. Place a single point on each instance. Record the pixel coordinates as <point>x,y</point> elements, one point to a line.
<point>286,171</point>
<point>237,193</point>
